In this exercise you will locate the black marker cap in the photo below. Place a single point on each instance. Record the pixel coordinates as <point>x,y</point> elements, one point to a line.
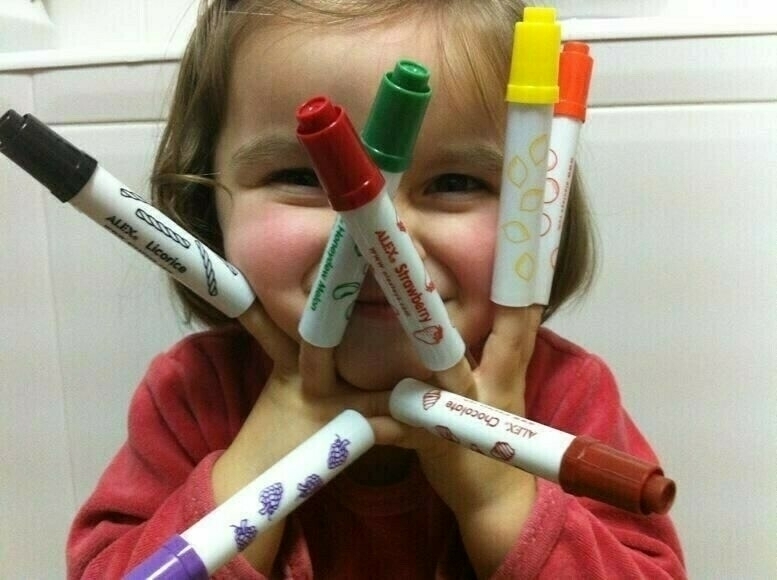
<point>52,160</point>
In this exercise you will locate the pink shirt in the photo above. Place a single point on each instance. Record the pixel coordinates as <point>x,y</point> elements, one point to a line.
<point>192,402</point>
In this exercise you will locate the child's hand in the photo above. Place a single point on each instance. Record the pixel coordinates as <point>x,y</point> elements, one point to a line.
<point>300,396</point>
<point>491,500</point>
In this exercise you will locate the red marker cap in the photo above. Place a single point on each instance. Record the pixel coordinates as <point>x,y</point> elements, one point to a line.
<point>592,469</point>
<point>347,172</point>
<point>574,78</point>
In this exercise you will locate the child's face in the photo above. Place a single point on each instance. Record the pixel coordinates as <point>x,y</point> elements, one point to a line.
<point>277,221</point>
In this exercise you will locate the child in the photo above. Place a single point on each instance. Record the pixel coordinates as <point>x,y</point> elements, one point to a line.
<point>222,406</point>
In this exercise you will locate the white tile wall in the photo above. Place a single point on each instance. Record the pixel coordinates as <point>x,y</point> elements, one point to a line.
<point>678,154</point>
<point>684,311</point>
<point>104,94</point>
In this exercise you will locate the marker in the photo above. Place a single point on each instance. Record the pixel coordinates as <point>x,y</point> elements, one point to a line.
<point>356,190</point>
<point>220,535</point>
<point>581,465</point>
<point>532,91</point>
<point>389,137</point>
<point>575,67</point>
<point>75,177</point>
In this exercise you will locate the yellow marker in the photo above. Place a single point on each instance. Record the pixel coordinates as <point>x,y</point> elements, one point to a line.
<point>532,91</point>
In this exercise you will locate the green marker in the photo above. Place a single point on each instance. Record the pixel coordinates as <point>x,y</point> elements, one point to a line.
<point>389,136</point>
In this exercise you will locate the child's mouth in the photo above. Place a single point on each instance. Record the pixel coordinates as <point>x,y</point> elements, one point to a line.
<point>380,310</point>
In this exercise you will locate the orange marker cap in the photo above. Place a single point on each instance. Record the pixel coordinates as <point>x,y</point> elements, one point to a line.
<point>574,78</point>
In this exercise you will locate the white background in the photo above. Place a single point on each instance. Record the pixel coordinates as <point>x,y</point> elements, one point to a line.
<point>678,155</point>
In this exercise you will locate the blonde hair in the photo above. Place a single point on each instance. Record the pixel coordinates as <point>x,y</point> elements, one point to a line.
<point>476,55</point>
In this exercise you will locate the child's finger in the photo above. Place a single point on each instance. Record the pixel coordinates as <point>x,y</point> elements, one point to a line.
<point>458,379</point>
<point>276,343</point>
<point>507,351</point>
<point>389,431</point>
<point>317,369</point>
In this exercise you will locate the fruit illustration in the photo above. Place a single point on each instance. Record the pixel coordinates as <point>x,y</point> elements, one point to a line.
<point>552,159</point>
<point>538,150</point>
<point>532,200</point>
<point>338,452</point>
<point>270,498</point>
<point>517,171</point>
<point>429,283</point>
<point>345,290</point>
<point>446,433</point>
<point>431,398</point>
<point>310,486</point>
<point>503,451</point>
<point>429,335</point>
<point>400,224</point>
<point>244,534</point>
<point>524,266</point>
<point>552,189</point>
<point>516,232</point>
<point>546,224</point>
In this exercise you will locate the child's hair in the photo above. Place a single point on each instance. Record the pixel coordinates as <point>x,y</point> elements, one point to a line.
<point>478,41</point>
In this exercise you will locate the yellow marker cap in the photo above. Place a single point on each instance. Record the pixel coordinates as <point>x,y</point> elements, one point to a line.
<point>534,66</point>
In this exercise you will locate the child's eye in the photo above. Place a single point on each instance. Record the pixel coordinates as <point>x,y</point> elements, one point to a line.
<point>301,177</point>
<point>456,183</point>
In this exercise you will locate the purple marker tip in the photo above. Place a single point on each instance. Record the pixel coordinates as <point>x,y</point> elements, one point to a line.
<point>175,560</point>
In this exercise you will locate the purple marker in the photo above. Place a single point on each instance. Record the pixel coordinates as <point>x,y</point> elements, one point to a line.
<point>75,177</point>
<point>219,536</point>
<point>356,190</point>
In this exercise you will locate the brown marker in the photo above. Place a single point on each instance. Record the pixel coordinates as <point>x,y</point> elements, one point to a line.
<point>582,465</point>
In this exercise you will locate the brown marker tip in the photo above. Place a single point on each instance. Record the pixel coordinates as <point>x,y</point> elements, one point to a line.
<point>658,495</point>
<point>592,469</point>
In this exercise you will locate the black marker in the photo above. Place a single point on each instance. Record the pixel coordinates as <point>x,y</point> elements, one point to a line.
<point>77,178</point>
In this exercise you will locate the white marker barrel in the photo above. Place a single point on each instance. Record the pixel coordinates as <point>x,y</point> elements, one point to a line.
<point>516,263</point>
<point>400,271</point>
<point>510,438</point>
<point>561,165</point>
<point>133,220</point>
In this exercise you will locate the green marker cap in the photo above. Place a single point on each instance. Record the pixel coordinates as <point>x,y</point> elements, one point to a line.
<point>396,116</point>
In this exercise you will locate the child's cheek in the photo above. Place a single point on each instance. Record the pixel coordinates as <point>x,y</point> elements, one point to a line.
<point>276,248</point>
<point>471,255</point>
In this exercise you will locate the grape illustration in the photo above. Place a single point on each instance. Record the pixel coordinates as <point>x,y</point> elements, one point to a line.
<point>338,453</point>
<point>270,498</point>
<point>244,534</point>
<point>310,486</point>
